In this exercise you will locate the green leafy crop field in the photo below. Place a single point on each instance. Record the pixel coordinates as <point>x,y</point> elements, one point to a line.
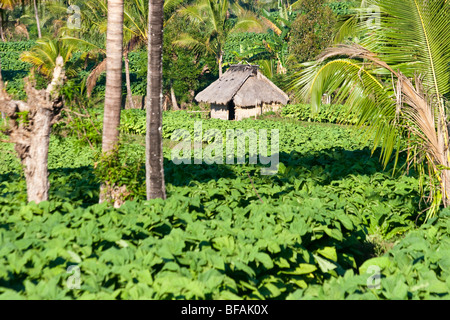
<point>331,224</point>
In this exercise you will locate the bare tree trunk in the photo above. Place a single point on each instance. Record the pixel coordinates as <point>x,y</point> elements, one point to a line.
<point>166,101</point>
<point>220,65</point>
<point>154,152</point>
<point>36,15</point>
<point>36,163</point>
<point>2,34</point>
<point>280,68</point>
<point>113,91</point>
<point>128,80</point>
<point>30,126</point>
<point>173,98</point>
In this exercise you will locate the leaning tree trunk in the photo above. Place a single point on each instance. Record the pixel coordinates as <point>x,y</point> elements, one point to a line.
<point>128,80</point>
<point>29,128</point>
<point>173,98</point>
<point>113,91</point>
<point>154,152</point>
<point>36,15</point>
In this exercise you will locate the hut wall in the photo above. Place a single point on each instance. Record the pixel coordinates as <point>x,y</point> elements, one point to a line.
<point>219,111</point>
<point>267,107</point>
<point>247,112</point>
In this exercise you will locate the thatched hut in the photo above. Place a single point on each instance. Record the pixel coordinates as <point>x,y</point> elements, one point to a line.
<point>242,92</point>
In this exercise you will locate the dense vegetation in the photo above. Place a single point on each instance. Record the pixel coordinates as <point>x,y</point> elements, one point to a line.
<point>332,223</point>
<point>329,213</point>
<point>187,71</point>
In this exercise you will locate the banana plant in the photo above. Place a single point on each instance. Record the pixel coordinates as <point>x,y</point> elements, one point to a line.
<point>396,79</point>
<point>274,50</point>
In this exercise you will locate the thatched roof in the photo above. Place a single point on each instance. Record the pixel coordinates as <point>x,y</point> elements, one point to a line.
<point>245,85</point>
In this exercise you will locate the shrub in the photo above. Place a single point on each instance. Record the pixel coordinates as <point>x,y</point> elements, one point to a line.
<point>338,114</point>
<point>312,31</point>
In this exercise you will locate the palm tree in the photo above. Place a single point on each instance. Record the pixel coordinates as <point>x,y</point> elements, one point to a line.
<point>135,31</point>
<point>113,91</point>
<point>346,24</point>
<point>43,56</point>
<point>213,17</point>
<point>5,5</point>
<point>154,151</point>
<point>272,53</point>
<point>397,79</point>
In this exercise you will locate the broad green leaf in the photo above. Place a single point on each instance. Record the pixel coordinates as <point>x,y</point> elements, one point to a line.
<point>265,259</point>
<point>329,253</point>
<point>380,262</point>
<point>346,221</point>
<point>395,288</point>
<point>225,242</point>
<point>282,263</point>
<point>324,264</point>
<point>241,266</point>
<point>273,289</point>
<point>303,268</point>
<point>334,233</point>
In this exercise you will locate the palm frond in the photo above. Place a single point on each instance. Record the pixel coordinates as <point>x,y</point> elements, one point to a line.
<point>170,5</point>
<point>80,43</point>
<point>91,80</point>
<point>194,13</point>
<point>346,28</point>
<point>415,30</point>
<point>246,23</point>
<point>187,41</point>
<point>271,25</point>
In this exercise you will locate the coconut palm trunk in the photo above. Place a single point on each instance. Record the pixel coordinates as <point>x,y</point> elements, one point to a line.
<point>154,151</point>
<point>36,15</point>
<point>113,91</point>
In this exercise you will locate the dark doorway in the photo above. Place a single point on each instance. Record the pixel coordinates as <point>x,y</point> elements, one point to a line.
<point>231,110</point>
